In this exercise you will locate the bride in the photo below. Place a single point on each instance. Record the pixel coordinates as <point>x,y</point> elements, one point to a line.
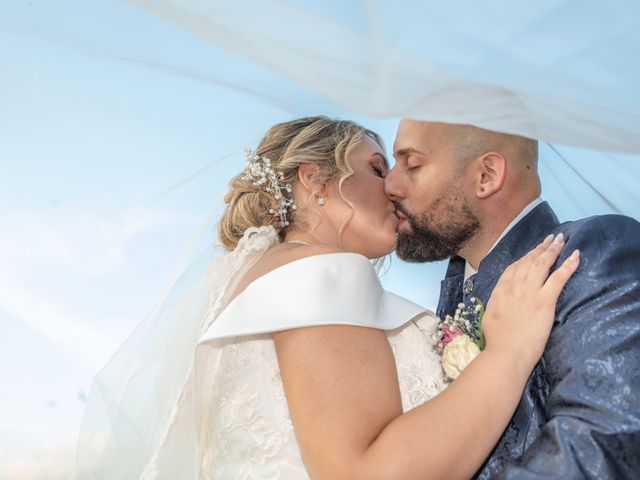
<point>301,365</point>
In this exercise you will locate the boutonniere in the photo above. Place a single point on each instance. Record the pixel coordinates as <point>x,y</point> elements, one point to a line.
<point>460,338</point>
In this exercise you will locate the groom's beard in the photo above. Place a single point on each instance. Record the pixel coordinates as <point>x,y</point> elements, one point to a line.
<point>429,241</point>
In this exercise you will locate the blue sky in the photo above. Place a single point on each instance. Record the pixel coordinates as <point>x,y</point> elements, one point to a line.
<point>93,139</point>
<point>105,111</point>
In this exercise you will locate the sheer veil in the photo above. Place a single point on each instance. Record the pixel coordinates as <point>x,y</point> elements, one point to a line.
<point>140,417</point>
<point>561,71</point>
<point>529,69</point>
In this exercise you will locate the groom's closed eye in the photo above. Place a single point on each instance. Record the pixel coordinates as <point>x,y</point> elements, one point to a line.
<point>412,166</point>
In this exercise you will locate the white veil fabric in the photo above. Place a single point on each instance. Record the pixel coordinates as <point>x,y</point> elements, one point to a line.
<point>562,71</point>
<point>139,418</point>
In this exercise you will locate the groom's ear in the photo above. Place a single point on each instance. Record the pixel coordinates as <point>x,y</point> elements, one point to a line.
<point>490,174</point>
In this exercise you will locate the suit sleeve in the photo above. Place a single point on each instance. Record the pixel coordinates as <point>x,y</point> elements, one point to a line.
<point>592,362</point>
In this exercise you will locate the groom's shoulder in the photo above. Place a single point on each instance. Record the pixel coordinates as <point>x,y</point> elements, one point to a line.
<point>605,242</point>
<point>601,228</point>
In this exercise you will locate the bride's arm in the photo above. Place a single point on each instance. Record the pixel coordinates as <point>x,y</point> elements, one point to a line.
<point>344,399</point>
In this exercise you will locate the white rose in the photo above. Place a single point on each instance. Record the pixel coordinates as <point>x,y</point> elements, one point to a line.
<point>457,354</point>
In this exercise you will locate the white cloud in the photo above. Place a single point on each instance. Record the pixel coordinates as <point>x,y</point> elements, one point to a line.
<point>71,250</point>
<point>79,241</point>
<point>48,462</point>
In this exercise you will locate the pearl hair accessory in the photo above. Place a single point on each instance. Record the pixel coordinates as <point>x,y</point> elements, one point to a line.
<point>261,174</point>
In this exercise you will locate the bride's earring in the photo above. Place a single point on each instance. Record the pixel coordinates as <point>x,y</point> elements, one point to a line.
<point>321,200</point>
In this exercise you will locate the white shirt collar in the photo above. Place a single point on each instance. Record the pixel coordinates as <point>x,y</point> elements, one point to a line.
<point>468,269</point>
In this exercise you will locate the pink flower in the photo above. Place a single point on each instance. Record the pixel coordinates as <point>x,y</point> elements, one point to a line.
<point>449,334</point>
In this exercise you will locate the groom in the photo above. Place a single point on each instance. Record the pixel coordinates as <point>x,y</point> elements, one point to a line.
<point>474,196</point>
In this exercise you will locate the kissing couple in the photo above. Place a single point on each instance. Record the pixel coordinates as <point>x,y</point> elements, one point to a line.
<point>300,365</point>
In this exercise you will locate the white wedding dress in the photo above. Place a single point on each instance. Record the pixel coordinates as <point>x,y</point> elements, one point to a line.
<point>247,431</point>
<point>229,418</point>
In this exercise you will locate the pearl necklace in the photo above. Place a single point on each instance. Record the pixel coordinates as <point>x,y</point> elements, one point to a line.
<point>299,242</point>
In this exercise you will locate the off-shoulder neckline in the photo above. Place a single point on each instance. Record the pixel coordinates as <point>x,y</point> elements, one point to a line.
<point>252,285</point>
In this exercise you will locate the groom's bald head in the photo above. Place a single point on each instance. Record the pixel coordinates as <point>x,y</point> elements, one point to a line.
<point>470,142</point>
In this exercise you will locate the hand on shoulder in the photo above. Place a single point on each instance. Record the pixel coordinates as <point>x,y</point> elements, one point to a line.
<point>522,308</point>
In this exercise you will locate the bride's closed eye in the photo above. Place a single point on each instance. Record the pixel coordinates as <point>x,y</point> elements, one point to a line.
<point>378,171</point>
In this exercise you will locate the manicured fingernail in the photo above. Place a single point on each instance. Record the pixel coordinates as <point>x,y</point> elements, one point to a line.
<point>547,239</point>
<point>559,239</point>
<point>575,255</point>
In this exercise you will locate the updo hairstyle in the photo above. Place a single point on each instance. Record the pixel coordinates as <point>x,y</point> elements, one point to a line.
<point>314,140</point>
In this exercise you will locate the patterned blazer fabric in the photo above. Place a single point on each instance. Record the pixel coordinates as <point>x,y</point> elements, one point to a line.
<point>579,416</point>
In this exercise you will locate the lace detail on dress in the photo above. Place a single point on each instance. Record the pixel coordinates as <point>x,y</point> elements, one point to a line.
<point>255,241</point>
<point>249,431</point>
<point>419,370</point>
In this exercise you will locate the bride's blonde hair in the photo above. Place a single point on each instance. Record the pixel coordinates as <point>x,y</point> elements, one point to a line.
<point>315,140</point>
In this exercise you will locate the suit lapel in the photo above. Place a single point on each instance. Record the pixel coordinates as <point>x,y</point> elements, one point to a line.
<point>451,287</point>
<point>524,236</point>
<point>527,233</point>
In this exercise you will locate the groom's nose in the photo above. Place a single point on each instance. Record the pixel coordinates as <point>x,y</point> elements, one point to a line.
<point>393,185</point>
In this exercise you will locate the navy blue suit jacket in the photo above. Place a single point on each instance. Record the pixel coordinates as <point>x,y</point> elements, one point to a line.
<point>579,416</point>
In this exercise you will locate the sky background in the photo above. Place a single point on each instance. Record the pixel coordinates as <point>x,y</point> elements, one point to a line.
<point>118,134</point>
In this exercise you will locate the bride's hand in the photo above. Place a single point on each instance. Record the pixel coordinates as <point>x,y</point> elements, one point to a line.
<point>521,311</point>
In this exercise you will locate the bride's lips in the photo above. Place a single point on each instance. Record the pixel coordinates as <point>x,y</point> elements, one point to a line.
<point>401,217</point>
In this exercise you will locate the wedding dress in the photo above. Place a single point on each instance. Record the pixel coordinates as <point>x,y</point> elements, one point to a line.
<point>230,419</point>
<point>247,430</point>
